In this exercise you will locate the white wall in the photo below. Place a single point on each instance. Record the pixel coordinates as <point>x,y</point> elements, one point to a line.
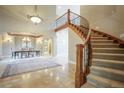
<point>107,18</point>
<point>0,45</point>
<point>7,45</point>
<point>73,40</point>
<point>62,43</point>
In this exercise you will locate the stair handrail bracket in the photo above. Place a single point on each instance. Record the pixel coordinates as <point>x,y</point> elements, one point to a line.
<point>81,27</point>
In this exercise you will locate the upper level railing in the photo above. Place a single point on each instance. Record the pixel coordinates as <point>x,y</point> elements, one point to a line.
<point>84,51</point>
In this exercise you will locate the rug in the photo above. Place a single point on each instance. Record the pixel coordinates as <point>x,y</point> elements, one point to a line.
<point>24,67</point>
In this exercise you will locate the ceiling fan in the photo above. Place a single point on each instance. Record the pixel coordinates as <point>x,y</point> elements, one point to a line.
<point>36,18</point>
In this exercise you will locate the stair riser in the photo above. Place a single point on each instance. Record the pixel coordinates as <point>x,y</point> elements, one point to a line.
<point>108,57</point>
<point>109,65</point>
<point>108,51</point>
<point>98,38</point>
<point>107,74</point>
<point>102,41</point>
<point>87,85</point>
<point>94,33</point>
<point>105,46</point>
<point>97,83</point>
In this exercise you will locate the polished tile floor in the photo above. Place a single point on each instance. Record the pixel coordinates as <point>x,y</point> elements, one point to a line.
<point>58,77</point>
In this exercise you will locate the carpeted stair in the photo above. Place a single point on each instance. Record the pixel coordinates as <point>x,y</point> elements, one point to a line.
<point>107,68</point>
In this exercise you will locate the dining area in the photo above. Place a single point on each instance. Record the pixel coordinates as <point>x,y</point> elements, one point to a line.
<point>17,45</point>
<point>25,54</point>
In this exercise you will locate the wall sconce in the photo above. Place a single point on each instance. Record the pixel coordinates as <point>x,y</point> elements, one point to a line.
<point>7,39</point>
<point>39,40</point>
<point>26,39</point>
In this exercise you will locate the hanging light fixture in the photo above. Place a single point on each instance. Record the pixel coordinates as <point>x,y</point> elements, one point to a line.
<point>36,18</point>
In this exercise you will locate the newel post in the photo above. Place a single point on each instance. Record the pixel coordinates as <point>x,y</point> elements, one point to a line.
<point>79,76</point>
<point>68,16</point>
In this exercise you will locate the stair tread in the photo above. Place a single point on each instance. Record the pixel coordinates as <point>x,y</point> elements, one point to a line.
<point>109,61</point>
<point>101,40</point>
<point>87,85</point>
<point>112,83</point>
<point>98,37</point>
<point>104,44</point>
<point>121,72</point>
<point>112,54</point>
<point>110,48</point>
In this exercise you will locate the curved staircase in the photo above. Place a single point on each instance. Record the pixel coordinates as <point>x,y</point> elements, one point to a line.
<point>104,59</point>
<point>107,68</point>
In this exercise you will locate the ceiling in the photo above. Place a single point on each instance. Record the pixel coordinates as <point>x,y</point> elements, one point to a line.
<point>13,18</point>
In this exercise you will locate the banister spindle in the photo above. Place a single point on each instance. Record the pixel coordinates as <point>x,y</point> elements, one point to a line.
<point>79,76</point>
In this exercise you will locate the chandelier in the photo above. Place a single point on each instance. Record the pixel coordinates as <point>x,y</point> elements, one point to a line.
<point>35,18</point>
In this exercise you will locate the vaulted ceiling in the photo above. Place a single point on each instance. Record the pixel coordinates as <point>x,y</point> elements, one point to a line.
<point>14,18</point>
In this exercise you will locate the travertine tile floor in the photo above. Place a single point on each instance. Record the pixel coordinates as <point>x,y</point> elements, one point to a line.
<point>58,77</point>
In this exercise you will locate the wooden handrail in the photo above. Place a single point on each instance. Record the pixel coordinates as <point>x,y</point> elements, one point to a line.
<point>61,27</point>
<point>88,36</point>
